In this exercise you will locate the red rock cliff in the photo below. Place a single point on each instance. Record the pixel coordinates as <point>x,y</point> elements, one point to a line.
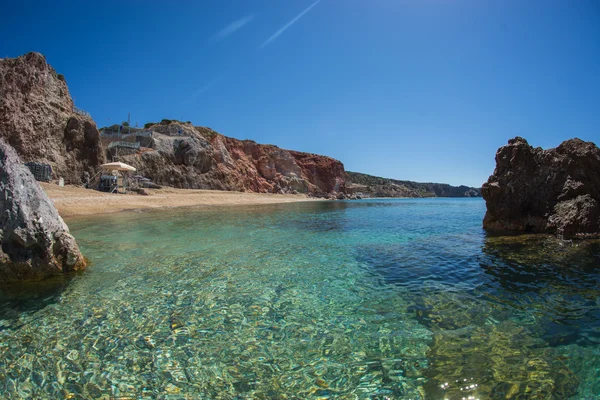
<point>37,119</point>
<point>186,156</point>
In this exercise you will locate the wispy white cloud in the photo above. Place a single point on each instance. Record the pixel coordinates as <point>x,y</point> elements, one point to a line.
<point>190,100</point>
<point>208,85</point>
<point>286,26</point>
<point>232,28</point>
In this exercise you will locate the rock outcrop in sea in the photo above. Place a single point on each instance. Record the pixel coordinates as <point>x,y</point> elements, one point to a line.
<point>545,191</point>
<point>35,241</point>
<point>37,118</point>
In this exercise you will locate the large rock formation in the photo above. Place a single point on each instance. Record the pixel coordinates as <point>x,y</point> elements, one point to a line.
<point>35,240</point>
<point>554,191</point>
<point>187,156</point>
<point>37,119</point>
<point>375,186</point>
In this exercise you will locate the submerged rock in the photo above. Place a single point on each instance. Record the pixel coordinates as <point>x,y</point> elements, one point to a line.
<point>35,240</point>
<point>545,191</point>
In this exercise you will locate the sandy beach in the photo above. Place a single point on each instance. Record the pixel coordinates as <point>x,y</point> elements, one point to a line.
<point>73,200</point>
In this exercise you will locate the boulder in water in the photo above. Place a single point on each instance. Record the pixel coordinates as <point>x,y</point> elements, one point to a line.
<point>35,241</point>
<point>545,191</point>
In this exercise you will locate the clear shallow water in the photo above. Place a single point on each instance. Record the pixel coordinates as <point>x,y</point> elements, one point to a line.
<point>380,299</point>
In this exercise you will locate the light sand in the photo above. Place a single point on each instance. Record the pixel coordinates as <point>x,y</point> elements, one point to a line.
<point>73,200</point>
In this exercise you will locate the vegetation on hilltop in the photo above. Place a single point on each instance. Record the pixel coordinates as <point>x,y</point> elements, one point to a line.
<point>375,186</point>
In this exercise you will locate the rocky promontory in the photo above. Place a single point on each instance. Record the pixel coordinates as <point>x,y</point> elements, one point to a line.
<point>545,191</point>
<point>38,119</point>
<point>375,186</point>
<point>35,240</point>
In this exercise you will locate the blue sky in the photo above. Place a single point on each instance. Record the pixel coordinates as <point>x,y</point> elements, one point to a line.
<point>425,90</point>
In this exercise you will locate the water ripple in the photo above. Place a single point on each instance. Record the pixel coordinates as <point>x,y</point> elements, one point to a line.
<point>374,299</point>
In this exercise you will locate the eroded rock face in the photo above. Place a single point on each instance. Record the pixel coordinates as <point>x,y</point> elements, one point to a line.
<point>187,156</point>
<point>35,240</point>
<point>552,191</point>
<point>37,119</point>
<point>324,174</point>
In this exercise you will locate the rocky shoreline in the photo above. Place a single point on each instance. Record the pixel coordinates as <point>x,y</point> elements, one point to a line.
<point>36,242</point>
<point>531,191</point>
<point>40,124</point>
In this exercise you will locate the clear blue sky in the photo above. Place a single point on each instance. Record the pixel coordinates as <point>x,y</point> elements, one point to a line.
<point>425,90</point>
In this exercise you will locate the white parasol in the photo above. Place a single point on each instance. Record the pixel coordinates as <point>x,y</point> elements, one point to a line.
<point>117,166</point>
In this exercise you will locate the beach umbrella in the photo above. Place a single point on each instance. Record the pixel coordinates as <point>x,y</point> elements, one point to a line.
<point>117,166</point>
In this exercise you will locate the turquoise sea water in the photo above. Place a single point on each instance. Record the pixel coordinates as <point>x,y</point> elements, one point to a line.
<point>382,299</point>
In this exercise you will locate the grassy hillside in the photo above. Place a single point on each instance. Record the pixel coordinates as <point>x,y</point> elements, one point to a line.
<point>375,186</point>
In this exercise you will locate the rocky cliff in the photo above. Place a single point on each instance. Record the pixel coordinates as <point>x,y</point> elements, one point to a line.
<point>553,191</point>
<point>37,119</point>
<point>374,186</point>
<point>186,156</point>
<point>35,241</point>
